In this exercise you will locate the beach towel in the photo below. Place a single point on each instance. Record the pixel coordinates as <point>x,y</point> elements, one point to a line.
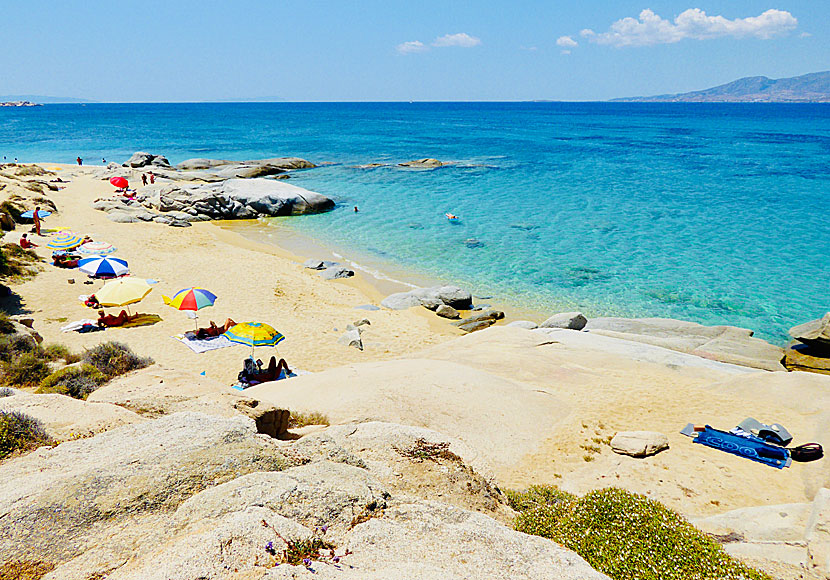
<point>751,447</point>
<point>78,325</point>
<point>199,346</point>
<point>142,320</point>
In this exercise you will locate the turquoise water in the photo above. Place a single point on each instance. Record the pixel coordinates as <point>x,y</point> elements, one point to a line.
<point>713,213</point>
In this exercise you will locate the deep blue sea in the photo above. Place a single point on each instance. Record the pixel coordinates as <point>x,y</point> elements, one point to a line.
<point>717,213</point>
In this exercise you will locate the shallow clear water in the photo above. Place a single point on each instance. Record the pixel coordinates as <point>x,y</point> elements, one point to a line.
<point>712,213</point>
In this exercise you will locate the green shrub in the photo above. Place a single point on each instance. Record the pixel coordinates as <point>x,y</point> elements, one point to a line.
<point>27,370</point>
<point>77,382</point>
<point>6,326</point>
<point>19,432</point>
<point>16,261</point>
<point>115,358</point>
<point>15,345</point>
<point>626,536</point>
<point>55,352</point>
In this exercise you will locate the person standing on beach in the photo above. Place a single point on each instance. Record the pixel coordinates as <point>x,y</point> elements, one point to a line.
<point>144,179</point>
<point>36,217</point>
<point>152,178</point>
<point>79,160</point>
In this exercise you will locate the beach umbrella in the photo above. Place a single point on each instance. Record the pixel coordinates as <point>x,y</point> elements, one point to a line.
<point>119,182</point>
<point>254,334</point>
<point>103,266</point>
<point>191,299</point>
<point>65,241</point>
<point>97,248</point>
<point>123,291</point>
<point>30,214</point>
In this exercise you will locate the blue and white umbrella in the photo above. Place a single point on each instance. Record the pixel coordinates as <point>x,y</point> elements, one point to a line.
<point>99,266</point>
<point>30,214</point>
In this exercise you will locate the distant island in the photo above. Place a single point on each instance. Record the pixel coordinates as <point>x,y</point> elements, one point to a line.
<point>809,88</point>
<point>19,104</point>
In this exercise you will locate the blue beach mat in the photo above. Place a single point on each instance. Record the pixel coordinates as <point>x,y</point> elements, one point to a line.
<point>747,447</point>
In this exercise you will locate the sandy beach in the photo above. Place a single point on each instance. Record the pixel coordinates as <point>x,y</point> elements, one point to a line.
<point>254,282</point>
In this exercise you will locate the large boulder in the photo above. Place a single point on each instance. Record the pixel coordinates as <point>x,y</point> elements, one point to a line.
<point>639,443</point>
<point>430,298</point>
<point>727,344</point>
<point>815,334</point>
<point>56,502</point>
<point>479,321</point>
<point>336,272</point>
<point>276,163</point>
<point>426,163</point>
<point>568,320</point>
<point>801,357</point>
<point>141,159</point>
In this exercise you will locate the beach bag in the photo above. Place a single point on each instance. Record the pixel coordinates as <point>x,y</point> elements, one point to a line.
<point>807,452</point>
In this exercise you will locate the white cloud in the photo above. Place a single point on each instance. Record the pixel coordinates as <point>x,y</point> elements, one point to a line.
<point>805,35</point>
<point>411,46</point>
<point>695,24</point>
<point>566,42</point>
<point>461,39</point>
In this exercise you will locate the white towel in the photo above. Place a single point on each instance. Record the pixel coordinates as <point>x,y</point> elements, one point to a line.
<point>78,324</point>
<point>199,346</point>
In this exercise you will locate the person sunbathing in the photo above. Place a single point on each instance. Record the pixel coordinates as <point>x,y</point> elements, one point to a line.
<point>214,330</point>
<point>108,320</point>
<point>65,261</point>
<point>252,376</point>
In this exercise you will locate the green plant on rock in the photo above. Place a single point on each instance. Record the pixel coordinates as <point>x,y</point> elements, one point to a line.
<point>115,358</point>
<point>20,432</point>
<point>26,370</point>
<point>626,536</point>
<point>77,382</point>
<point>6,326</point>
<point>56,352</point>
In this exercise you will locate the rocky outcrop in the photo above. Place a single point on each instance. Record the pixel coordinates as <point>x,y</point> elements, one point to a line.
<point>277,164</point>
<point>811,352</point>
<point>235,199</point>
<point>525,324</point>
<point>140,159</point>
<point>639,443</point>
<point>568,320</point>
<point>479,321</point>
<point>66,418</point>
<point>426,163</point>
<point>727,344</point>
<point>336,272</point>
<point>431,298</point>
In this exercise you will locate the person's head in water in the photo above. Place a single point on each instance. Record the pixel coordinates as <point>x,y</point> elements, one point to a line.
<point>355,209</point>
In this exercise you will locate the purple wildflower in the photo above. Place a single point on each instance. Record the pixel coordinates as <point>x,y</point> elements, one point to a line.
<point>306,562</point>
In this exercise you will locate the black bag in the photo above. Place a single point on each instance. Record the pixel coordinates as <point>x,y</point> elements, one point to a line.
<point>807,452</point>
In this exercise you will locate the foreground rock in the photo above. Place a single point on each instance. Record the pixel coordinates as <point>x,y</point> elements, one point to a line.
<point>66,418</point>
<point>57,501</point>
<point>479,321</point>
<point>639,443</point>
<point>722,343</point>
<point>800,357</point>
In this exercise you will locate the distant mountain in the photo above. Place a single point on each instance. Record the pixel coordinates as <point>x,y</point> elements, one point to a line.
<point>810,88</point>
<point>42,99</point>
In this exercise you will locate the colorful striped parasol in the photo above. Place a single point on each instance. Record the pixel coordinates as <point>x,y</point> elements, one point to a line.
<point>97,266</point>
<point>97,248</point>
<point>65,241</point>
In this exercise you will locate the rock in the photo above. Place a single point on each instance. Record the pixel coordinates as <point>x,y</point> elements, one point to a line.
<point>818,532</point>
<point>769,523</point>
<point>413,540</point>
<point>363,322</point>
<point>24,319</point>
<point>815,334</point>
<point>281,163</point>
<point>445,311</point>
<point>66,418</point>
<point>569,320</point>
<point>639,443</point>
<point>431,303</point>
<point>727,344</point>
<point>351,338</point>
<point>800,357</point>
<point>487,317</point>
<point>124,217</point>
<point>370,166</point>
<point>58,501</point>
<point>109,205</point>
<point>473,243</point>
<point>180,224</point>
<point>191,164</point>
<point>473,325</point>
<point>22,332</point>
<point>164,219</point>
<point>400,301</point>
<point>455,297</point>
<point>141,159</point>
<point>526,324</point>
<point>335,272</point>
<point>426,163</point>
<point>314,265</point>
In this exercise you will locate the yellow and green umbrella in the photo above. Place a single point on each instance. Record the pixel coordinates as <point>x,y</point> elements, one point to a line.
<point>123,291</point>
<point>254,334</point>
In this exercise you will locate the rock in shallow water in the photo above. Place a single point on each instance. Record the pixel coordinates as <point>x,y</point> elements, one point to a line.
<point>815,334</point>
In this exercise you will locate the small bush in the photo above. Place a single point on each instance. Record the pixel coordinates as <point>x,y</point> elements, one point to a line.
<point>13,210</point>
<point>16,261</point>
<point>303,419</point>
<point>6,326</point>
<point>27,370</point>
<point>25,570</point>
<point>6,392</point>
<point>13,346</point>
<point>626,536</point>
<point>115,358</point>
<point>77,382</point>
<point>19,432</point>
<point>55,352</point>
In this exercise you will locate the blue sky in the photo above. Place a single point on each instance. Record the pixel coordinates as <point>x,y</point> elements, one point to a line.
<point>388,50</point>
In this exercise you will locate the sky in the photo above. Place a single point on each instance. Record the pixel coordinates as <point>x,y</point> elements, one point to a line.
<point>388,50</point>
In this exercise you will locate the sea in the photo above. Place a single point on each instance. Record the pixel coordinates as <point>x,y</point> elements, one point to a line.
<point>715,213</point>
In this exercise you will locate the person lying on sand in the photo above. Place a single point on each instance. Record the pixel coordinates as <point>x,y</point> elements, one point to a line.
<point>249,376</point>
<point>109,320</point>
<point>65,261</point>
<point>212,330</point>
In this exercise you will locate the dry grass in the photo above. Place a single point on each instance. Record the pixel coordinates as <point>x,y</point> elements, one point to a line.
<point>303,419</point>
